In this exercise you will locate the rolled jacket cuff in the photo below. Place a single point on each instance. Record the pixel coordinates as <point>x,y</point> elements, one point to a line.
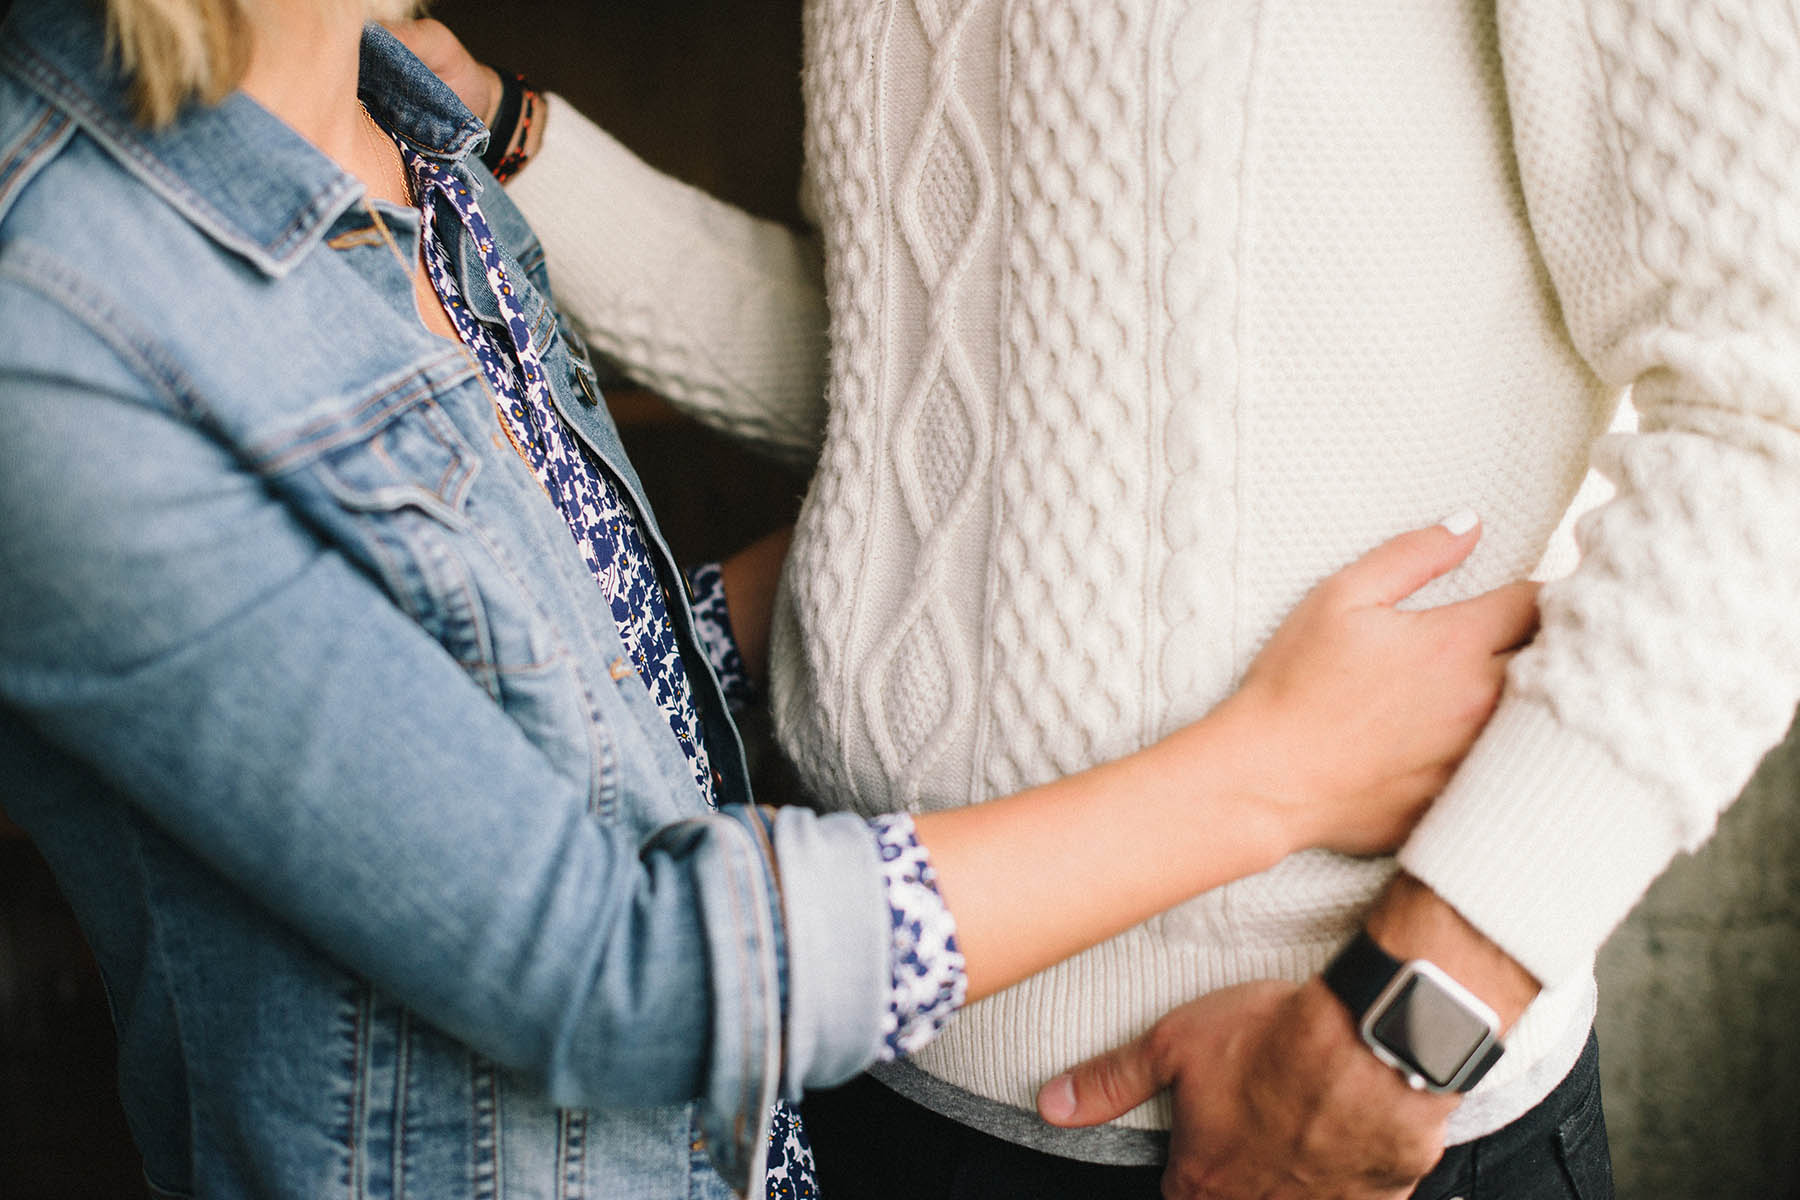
<point>838,938</point>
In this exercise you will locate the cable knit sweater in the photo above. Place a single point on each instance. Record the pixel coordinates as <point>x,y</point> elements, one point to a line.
<point>1145,315</point>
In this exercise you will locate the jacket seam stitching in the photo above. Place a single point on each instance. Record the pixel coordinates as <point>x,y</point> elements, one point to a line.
<point>99,313</point>
<point>62,92</point>
<point>25,157</point>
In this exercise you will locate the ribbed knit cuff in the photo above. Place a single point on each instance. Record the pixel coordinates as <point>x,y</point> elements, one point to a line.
<point>1542,841</point>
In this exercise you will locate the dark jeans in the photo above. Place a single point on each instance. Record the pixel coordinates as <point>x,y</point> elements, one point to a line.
<point>873,1144</point>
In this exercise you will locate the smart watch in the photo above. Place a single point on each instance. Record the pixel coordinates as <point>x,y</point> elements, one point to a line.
<point>1418,1020</point>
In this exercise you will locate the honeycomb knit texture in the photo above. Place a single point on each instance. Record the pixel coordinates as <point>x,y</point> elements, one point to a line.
<point>1146,315</point>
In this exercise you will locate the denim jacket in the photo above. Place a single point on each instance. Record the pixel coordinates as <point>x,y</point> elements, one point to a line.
<point>397,877</point>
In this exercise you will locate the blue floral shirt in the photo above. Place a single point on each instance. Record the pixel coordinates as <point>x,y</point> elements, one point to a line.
<point>928,981</point>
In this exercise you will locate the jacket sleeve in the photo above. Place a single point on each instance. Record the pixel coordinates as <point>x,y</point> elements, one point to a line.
<point>168,621</point>
<point>1659,149</point>
<point>722,313</point>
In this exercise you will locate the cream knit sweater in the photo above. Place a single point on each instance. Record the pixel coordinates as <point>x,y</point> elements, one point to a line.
<point>1145,315</point>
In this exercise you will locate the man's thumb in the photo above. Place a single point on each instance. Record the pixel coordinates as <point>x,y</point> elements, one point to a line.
<point>1101,1088</point>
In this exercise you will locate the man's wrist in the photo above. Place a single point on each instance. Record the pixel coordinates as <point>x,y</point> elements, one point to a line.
<point>1411,921</point>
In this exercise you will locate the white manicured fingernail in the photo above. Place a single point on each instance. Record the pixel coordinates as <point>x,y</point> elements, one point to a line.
<point>1461,521</point>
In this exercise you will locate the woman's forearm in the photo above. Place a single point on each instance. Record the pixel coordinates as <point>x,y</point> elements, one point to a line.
<point>1039,875</point>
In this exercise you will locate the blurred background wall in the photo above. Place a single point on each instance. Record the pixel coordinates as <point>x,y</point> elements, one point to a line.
<point>1700,991</point>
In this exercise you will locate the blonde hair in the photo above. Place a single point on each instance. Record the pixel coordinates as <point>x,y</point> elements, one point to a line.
<point>181,50</point>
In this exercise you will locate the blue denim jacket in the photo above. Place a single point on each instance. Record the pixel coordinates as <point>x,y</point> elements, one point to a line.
<point>397,877</point>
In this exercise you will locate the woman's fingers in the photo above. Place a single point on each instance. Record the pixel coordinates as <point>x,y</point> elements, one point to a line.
<point>1501,620</point>
<point>1402,565</point>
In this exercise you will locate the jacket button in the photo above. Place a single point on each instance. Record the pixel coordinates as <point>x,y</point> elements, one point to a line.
<point>589,396</point>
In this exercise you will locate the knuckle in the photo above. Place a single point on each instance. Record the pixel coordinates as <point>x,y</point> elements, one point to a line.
<point>1162,1046</point>
<point>1423,1151</point>
<point>1334,591</point>
<point>1411,1154</point>
<point>1108,1082</point>
<point>1183,1179</point>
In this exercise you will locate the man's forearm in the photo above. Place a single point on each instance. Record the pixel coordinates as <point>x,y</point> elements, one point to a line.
<point>1412,921</point>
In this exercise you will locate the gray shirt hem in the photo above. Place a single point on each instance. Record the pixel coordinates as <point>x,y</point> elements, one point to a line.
<point>1108,1145</point>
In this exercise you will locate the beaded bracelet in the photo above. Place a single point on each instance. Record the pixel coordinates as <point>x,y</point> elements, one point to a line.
<point>511,130</point>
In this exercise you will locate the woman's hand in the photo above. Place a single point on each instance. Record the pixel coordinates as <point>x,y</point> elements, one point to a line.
<point>476,84</point>
<point>1362,710</point>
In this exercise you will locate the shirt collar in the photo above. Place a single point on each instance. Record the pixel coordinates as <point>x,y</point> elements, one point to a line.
<point>235,170</point>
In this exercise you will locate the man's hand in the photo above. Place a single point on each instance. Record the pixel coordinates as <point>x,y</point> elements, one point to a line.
<point>476,84</point>
<point>1275,1097</point>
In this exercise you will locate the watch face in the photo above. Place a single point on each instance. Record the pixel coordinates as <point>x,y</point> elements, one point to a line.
<point>1429,1030</point>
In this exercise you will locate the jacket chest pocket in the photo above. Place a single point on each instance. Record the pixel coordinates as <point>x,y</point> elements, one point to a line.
<point>404,490</point>
<point>398,499</point>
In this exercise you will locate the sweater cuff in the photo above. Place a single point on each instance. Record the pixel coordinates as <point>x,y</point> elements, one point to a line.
<point>1542,841</point>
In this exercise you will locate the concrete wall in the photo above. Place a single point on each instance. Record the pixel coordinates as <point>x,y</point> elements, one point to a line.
<point>1700,1010</point>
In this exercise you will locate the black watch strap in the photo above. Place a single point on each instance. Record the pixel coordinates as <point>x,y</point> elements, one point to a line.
<point>1359,974</point>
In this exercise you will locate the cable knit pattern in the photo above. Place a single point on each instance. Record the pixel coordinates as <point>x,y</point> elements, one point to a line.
<point>1265,283</point>
<point>810,647</point>
<point>918,682</point>
<point>1705,494</point>
<point>1206,66</point>
<point>1206,63</point>
<point>1069,558</point>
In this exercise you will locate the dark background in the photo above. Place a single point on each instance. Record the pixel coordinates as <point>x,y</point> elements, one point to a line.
<point>707,90</point>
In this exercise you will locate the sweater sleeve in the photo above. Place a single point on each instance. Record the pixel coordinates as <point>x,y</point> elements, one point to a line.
<point>1659,149</point>
<point>722,313</point>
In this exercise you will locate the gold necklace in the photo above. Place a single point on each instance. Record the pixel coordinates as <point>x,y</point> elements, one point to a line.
<point>388,149</point>
<point>372,128</point>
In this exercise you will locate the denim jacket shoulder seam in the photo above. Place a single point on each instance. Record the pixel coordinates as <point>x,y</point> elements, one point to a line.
<point>90,306</point>
<point>31,152</point>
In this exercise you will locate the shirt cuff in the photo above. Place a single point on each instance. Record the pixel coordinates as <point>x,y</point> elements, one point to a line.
<point>930,981</point>
<point>712,622</point>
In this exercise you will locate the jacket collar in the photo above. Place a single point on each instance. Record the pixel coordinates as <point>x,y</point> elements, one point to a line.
<point>235,170</point>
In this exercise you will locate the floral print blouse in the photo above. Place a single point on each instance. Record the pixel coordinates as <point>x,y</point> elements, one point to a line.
<point>928,982</point>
